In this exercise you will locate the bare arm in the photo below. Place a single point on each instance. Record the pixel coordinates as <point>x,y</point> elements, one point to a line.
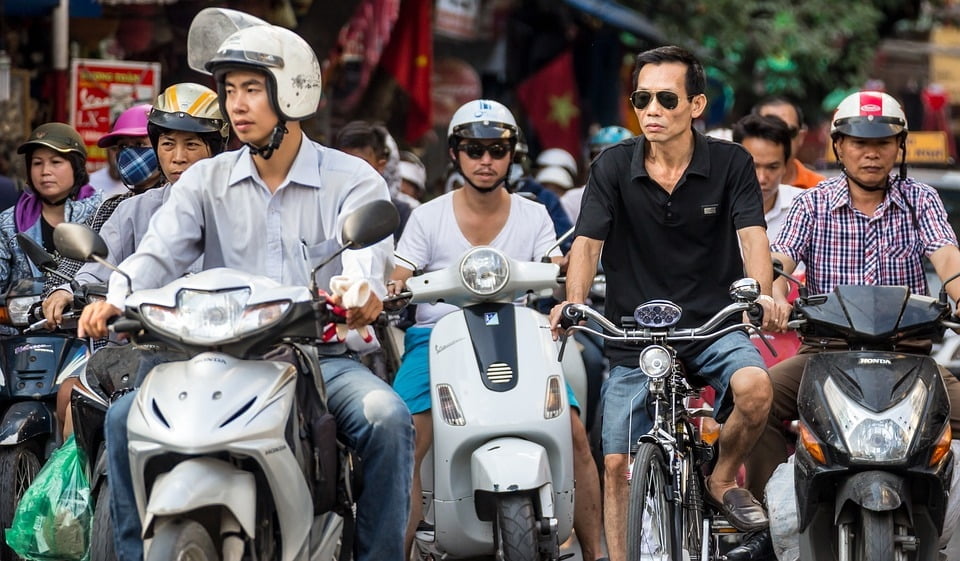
<point>581,268</point>
<point>946,261</point>
<point>758,265</point>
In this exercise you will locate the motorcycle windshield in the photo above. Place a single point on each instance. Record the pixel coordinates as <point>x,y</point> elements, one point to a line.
<point>873,312</point>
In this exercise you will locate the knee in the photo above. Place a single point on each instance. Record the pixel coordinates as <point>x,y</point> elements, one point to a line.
<point>752,393</point>
<point>615,465</point>
<point>384,408</point>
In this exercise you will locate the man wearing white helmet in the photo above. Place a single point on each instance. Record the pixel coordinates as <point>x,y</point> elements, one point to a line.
<point>266,209</point>
<point>482,137</point>
<point>864,227</point>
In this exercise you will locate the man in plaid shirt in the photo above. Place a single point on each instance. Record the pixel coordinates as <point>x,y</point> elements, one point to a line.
<point>864,227</point>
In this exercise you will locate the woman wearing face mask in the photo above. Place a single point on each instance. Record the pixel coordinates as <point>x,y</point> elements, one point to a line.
<point>136,159</point>
<point>184,126</point>
<point>57,191</point>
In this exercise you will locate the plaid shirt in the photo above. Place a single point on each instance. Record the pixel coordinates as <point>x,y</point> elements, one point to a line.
<point>841,245</point>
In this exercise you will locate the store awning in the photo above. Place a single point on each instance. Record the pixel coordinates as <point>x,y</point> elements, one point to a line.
<point>622,17</point>
<point>24,8</point>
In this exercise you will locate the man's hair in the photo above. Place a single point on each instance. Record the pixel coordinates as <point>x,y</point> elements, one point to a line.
<point>779,100</point>
<point>768,127</point>
<point>361,134</point>
<point>696,82</point>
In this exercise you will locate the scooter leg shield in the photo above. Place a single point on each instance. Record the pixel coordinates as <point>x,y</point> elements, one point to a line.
<point>873,490</point>
<point>24,420</point>
<point>202,482</point>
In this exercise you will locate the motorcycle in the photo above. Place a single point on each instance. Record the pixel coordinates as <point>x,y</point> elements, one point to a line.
<point>33,365</point>
<point>236,457</point>
<point>501,477</point>
<point>873,461</point>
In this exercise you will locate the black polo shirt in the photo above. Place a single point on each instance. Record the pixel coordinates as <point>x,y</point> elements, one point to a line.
<point>681,246</point>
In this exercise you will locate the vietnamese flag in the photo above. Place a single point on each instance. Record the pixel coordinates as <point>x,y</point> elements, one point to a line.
<point>409,59</point>
<point>553,107</point>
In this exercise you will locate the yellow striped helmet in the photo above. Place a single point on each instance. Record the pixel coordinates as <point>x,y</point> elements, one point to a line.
<point>193,108</point>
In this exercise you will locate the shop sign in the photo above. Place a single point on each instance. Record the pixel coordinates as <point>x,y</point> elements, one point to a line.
<point>102,89</point>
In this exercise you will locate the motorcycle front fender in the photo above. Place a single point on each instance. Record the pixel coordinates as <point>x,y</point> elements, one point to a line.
<point>878,491</point>
<point>506,465</point>
<point>203,482</point>
<point>24,420</point>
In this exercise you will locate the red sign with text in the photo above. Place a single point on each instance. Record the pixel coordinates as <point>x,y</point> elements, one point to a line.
<point>102,89</point>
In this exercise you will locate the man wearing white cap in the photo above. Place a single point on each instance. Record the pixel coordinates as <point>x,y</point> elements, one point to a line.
<point>413,179</point>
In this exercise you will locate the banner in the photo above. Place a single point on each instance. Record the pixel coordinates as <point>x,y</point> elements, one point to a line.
<point>102,89</point>
<point>409,59</point>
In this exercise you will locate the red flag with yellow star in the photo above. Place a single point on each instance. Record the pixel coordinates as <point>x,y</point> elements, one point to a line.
<point>553,107</point>
<point>409,59</point>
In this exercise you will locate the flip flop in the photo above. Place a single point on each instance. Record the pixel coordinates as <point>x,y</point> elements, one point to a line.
<point>740,508</point>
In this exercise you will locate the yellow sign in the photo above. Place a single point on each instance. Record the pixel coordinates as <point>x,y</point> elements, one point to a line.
<point>923,147</point>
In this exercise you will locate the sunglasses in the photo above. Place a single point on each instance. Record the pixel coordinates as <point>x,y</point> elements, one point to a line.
<point>475,150</point>
<point>668,100</point>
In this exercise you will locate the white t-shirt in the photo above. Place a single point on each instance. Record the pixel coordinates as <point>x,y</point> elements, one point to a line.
<point>432,240</point>
<point>777,215</point>
<point>570,201</point>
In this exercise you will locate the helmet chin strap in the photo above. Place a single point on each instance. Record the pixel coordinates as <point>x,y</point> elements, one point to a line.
<point>275,139</point>
<point>884,185</point>
<point>503,180</point>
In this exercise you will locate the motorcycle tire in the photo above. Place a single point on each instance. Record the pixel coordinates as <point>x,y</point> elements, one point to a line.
<point>183,540</point>
<point>515,529</point>
<point>874,537</point>
<point>18,467</point>
<point>101,533</point>
<point>650,515</point>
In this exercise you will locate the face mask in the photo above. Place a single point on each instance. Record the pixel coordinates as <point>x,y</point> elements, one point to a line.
<point>136,164</point>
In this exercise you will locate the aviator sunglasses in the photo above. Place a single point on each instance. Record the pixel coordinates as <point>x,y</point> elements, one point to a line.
<point>475,150</point>
<point>668,100</point>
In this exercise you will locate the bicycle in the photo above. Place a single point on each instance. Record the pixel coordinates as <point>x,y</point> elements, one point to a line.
<point>667,517</point>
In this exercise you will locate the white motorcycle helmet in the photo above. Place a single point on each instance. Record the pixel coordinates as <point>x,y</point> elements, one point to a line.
<point>482,119</point>
<point>870,114</point>
<point>558,157</point>
<point>291,67</point>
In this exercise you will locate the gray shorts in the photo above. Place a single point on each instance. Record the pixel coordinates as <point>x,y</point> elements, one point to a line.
<point>625,391</point>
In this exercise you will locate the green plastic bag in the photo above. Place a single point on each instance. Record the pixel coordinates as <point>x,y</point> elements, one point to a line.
<point>55,514</point>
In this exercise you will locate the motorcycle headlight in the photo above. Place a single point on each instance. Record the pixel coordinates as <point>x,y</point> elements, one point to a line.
<point>18,309</point>
<point>884,436</point>
<point>211,317</point>
<point>484,271</point>
<point>655,361</point>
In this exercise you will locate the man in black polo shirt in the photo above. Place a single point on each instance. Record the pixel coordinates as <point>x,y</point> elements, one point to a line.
<point>671,210</point>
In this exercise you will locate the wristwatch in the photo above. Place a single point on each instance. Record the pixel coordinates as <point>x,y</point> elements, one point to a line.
<point>765,297</point>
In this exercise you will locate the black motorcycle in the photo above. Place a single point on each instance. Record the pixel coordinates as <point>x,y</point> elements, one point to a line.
<point>33,363</point>
<point>873,462</point>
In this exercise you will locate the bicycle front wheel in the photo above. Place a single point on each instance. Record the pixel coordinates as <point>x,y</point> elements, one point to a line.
<point>650,512</point>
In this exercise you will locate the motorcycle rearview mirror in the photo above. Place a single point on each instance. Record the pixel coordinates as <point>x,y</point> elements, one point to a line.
<point>80,242</point>
<point>40,257</point>
<point>779,272</point>
<point>566,235</point>
<point>943,288</point>
<point>363,227</point>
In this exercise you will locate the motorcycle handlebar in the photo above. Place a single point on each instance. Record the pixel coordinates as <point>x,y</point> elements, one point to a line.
<point>574,313</point>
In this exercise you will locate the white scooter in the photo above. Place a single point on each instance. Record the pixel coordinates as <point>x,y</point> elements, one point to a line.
<point>501,479</point>
<point>228,461</point>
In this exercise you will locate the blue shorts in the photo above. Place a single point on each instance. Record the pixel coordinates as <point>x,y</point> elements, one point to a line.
<point>412,381</point>
<point>625,391</point>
